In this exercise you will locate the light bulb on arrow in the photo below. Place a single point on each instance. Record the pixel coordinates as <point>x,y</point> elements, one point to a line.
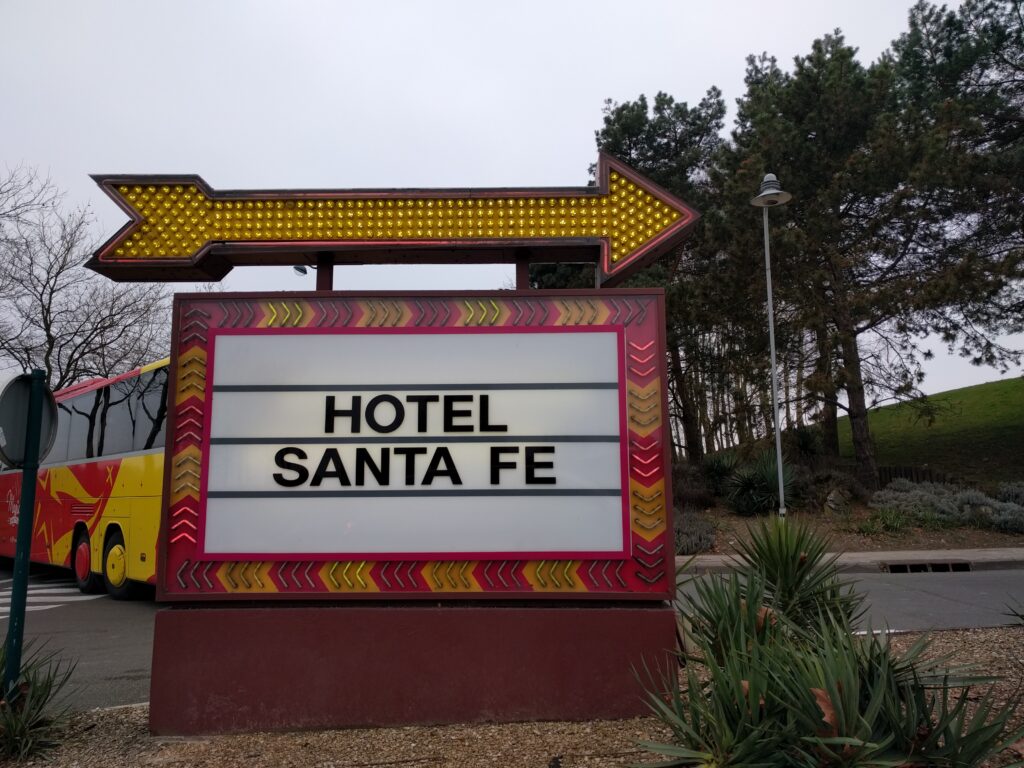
<point>181,229</point>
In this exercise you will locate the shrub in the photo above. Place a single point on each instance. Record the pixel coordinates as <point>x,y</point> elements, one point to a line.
<point>718,468</point>
<point>803,445</point>
<point>835,483</point>
<point>945,505</point>
<point>754,488</point>
<point>777,677</point>
<point>1011,492</point>
<point>689,491</point>
<point>31,721</point>
<point>1007,517</point>
<point>800,577</point>
<point>693,534</point>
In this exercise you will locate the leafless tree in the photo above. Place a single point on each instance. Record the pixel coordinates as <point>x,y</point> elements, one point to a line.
<point>23,193</point>
<point>55,314</point>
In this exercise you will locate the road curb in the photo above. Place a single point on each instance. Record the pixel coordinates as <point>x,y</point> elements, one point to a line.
<point>902,561</point>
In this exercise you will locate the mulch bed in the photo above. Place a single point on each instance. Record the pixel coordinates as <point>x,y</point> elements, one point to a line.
<point>120,737</point>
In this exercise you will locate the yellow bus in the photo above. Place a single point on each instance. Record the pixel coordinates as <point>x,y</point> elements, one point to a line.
<point>99,490</point>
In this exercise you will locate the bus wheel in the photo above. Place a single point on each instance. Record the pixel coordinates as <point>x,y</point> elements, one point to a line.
<point>115,568</point>
<point>88,582</point>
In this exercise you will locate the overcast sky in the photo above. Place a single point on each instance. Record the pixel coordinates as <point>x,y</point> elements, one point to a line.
<point>341,94</point>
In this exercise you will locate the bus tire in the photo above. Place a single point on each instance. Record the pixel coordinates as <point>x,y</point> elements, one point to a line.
<point>88,583</point>
<point>115,565</point>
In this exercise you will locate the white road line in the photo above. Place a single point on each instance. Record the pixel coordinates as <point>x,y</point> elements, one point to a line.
<point>51,599</point>
<point>5,614</point>
<point>43,595</point>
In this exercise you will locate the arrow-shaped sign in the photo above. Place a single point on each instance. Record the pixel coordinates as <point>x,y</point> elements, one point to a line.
<point>181,229</point>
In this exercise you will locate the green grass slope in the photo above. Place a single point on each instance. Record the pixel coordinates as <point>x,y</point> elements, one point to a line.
<point>978,433</point>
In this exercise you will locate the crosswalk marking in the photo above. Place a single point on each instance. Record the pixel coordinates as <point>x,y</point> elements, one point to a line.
<point>43,596</point>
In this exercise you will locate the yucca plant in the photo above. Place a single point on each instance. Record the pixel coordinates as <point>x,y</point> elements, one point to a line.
<point>776,676</point>
<point>718,468</point>
<point>754,488</point>
<point>728,615</point>
<point>727,717</point>
<point>950,725</point>
<point>835,710</point>
<point>801,580</point>
<point>31,719</point>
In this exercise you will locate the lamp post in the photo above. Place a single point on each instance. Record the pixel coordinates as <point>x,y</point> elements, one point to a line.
<point>772,194</point>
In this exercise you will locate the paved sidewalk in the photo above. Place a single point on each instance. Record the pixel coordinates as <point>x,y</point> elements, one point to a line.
<point>903,561</point>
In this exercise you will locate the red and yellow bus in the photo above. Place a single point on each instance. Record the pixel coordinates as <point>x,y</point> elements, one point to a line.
<point>99,491</point>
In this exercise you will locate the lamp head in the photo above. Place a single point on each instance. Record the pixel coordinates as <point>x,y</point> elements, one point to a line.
<point>300,270</point>
<point>771,193</point>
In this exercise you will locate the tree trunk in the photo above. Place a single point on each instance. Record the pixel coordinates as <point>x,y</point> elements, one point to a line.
<point>688,415</point>
<point>799,389</point>
<point>784,405</point>
<point>863,451</point>
<point>829,408</point>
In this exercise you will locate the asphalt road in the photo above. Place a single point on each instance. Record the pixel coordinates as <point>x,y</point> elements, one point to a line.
<point>112,640</point>
<point>909,601</point>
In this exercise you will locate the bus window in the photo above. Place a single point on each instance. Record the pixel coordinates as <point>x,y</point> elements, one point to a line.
<point>115,430</point>
<point>151,409</point>
<point>85,410</point>
<point>59,452</point>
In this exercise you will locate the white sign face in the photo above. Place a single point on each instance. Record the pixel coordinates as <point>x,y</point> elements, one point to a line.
<point>483,443</point>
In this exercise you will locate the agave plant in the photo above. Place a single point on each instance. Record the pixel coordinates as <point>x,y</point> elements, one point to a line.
<point>726,717</point>
<point>775,676</point>
<point>31,720</point>
<point>718,468</point>
<point>940,726</point>
<point>729,615</point>
<point>835,712</point>
<point>754,489</point>
<point>801,580</point>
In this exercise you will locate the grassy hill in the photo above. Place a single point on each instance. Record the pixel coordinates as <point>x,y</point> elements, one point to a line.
<point>978,433</point>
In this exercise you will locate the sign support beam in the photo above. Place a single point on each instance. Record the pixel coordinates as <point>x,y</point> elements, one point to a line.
<point>324,272</point>
<point>19,589</point>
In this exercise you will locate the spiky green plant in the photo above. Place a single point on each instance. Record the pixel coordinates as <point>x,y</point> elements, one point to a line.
<point>722,720</point>
<point>753,489</point>
<point>775,675</point>
<point>729,614</point>
<point>834,713</point>
<point>31,719</point>
<point>801,580</point>
<point>718,468</point>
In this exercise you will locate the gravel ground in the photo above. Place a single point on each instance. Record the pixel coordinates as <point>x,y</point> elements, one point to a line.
<point>120,737</point>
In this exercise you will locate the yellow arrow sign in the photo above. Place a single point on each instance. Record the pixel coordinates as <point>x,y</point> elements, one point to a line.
<point>181,229</point>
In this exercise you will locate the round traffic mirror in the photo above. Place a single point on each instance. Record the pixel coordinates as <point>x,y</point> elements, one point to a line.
<point>14,421</point>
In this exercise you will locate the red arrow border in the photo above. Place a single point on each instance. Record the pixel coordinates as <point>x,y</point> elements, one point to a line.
<point>215,259</point>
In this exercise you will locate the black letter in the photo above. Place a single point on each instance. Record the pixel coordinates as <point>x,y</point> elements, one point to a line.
<point>301,473</point>
<point>532,465</point>
<point>410,462</point>
<point>371,417</point>
<point>441,455</point>
<point>333,459</point>
<point>485,415</point>
<point>497,464</point>
<point>381,472</point>
<point>332,414</point>
<point>421,409</point>
<point>450,414</point>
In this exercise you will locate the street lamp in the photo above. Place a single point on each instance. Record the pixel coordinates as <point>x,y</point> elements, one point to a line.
<point>772,194</point>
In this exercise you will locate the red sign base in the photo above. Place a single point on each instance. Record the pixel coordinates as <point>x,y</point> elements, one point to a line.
<point>221,670</point>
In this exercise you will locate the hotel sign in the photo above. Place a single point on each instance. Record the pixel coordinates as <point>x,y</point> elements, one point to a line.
<point>471,445</point>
